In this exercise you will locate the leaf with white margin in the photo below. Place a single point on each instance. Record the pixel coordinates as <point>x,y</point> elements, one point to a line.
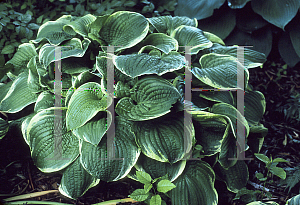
<point>72,48</point>
<point>154,97</point>
<point>24,127</point>
<point>18,95</point>
<point>218,96</point>
<point>85,103</point>
<point>195,185</point>
<point>220,71</point>
<point>192,37</point>
<point>228,150</point>
<point>4,126</point>
<point>163,139</point>
<point>167,24</point>
<point>277,12</point>
<point>94,130</point>
<point>51,153</point>
<point>76,181</point>
<point>53,30</point>
<point>134,65</point>
<point>80,25</point>
<point>252,58</point>
<point>159,41</point>
<point>20,59</point>
<point>255,106</point>
<point>124,29</point>
<point>44,101</point>
<point>158,169</point>
<point>233,116</point>
<point>95,158</point>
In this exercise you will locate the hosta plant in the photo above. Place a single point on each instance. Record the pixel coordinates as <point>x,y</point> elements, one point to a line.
<point>145,105</point>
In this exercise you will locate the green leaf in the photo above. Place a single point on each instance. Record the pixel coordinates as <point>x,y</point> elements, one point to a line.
<point>25,18</point>
<point>287,50</point>
<point>8,49</point>
<point>53,31</point>
<point>44,101</point>
<point>197,9</point>
<point>157,169</point>
<point>280,160</point>
<point>96,161</point>
<point>94,130</point>
<point>155,200</point>
<point>134,65</point>
<point>235,177</point>
<point>23,6</point>
<point>195,185</point>
<point>76,181</point>
<point>167,24</point>
<point>124,29</point>
<point>294,200</point>
<point>154,97</point>
<point>18,96</point>
<point>80,25</point>
<point>39,19</point>
<point>278,172</point>
<point>277,12</point>
<point>143,177</point>
<point>191,36</point>
<point>72,48</point>
<point>33,26</point>
<point>213,38</point>
<point>159,41</point>
<point>216,96</point>
<point>259,175</point>
<point>50,152</point>
<point>148,187</point>
<point>85,103</point>
<point>4,126</point>
<point>164,186</point>
<point>228,150</point>
<point>139,195</point>
<point>262,158</point>
<point>220,71</point>
<point>255,106</point>
<point>294,35</point>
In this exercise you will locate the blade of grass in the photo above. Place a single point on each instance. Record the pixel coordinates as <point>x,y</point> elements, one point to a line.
<point>31,195</point>
<point>116,201</point>
<point>35,202</point>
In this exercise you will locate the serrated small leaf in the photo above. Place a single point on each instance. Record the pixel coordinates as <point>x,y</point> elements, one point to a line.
<point>278,172</point>
<point>165,186</point>
<point>143,177</point>
<point>155,200</point>
<point>139,195</point>
<point>262,158</point>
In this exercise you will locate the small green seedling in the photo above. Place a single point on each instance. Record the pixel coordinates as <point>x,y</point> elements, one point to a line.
<point>163,186</point>
<point>271,166</point>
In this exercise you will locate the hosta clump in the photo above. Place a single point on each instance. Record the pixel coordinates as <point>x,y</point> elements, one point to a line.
<point>151,134</point>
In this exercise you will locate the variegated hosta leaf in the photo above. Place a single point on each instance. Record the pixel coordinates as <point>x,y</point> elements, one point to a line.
<point>44,101</point>
<point>74,65</point>
<point>24,127</point>
<point>251,58</point>
<point>163,139</point>
<point>218,96</point>
<point>167,24</point>
<point>213,38</point>
<point>255,106</point>
<point>158,169</point>
<point>95,158</point>
<point>3,128</point>
<point>20,59</point>
<point>18,96</point>
<point>76,180</point>
<point>73,47</point>
<point>52,148</point>
<point>153,97</point>
<point>228,150</point>
<point>85,103</point>
<point>4,88</point>
<point>235,177</point>
<point>33,76</point>
<point>159,41</point>
<point>94,130</point>
<point>80,25</point>
<point>135,65</point>
<point>220,71</point>
<point>195,185</point>
<point>124,29</point>
<point>234,117</point>
<point>53,31</point>
<point>192,37</point>
<point>211,129</point>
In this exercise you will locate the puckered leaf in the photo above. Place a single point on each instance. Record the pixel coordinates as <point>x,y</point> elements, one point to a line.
<point>51,152</point>
<point>95,158</point>
<point>151,97</point>
<point>255,106</point>
<point>164,139</point>
<point>191,36</point>
<point>195,185</point>
<point>80,25</point>
<point>76,180</point>
<point>85,103</point>
<point>134,65</point>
